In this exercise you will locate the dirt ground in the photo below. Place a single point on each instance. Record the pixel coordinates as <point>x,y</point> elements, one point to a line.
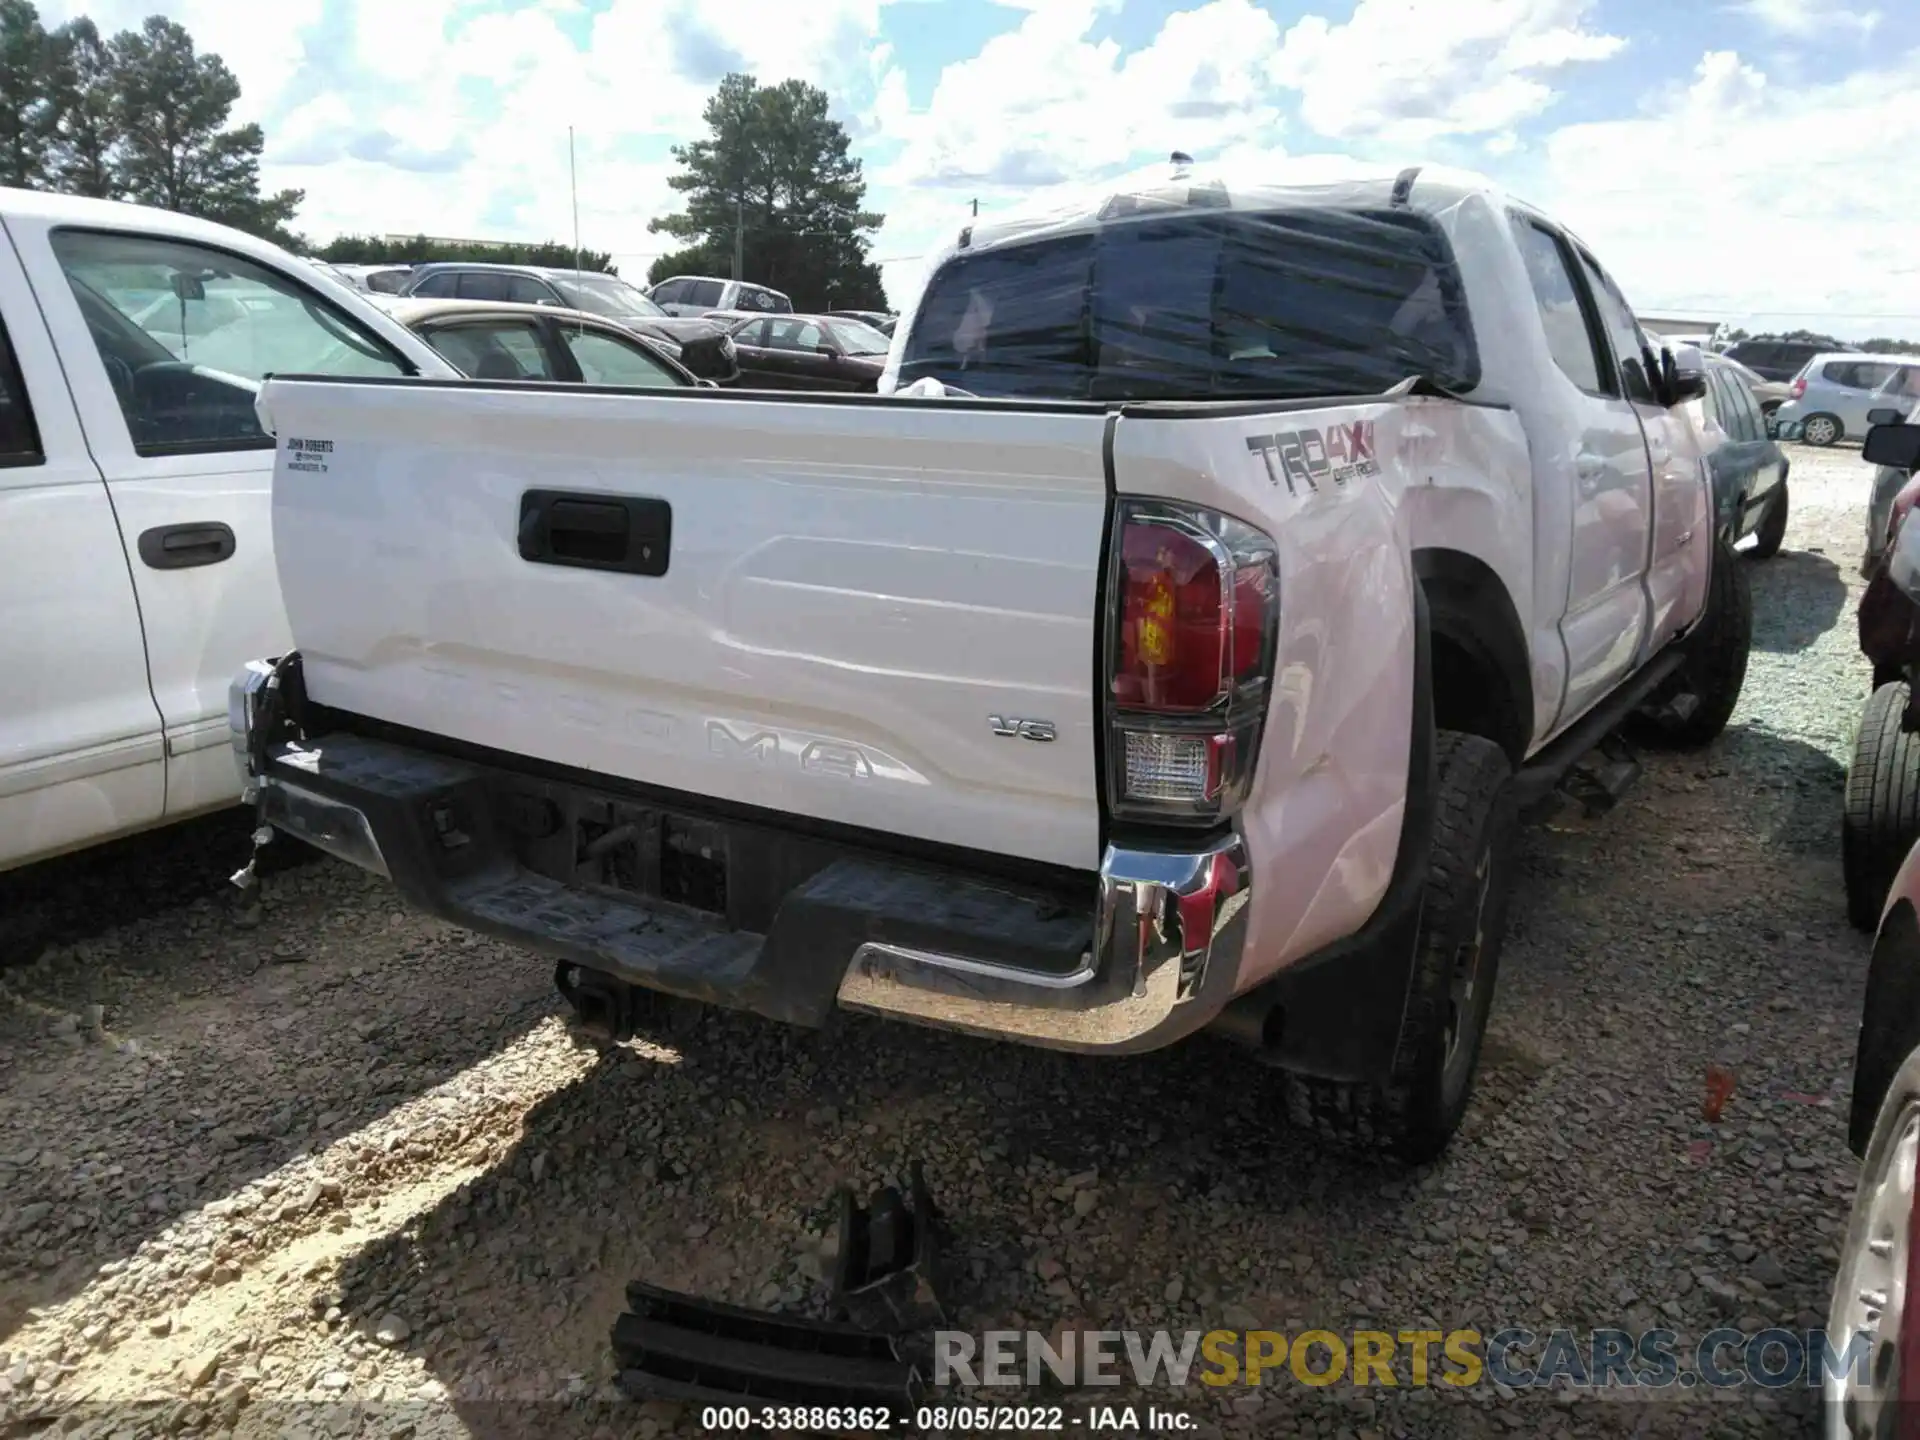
<point>325,1166</point>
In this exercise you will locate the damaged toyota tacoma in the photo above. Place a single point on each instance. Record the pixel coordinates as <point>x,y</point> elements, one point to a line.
<point>1172,645</point>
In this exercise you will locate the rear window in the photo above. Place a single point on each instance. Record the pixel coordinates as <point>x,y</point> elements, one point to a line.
<point>1857,374</point>
<point>1284,303</point>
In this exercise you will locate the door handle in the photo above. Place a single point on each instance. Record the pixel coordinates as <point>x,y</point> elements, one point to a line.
<point>628,533</point>
<point>181,547</point>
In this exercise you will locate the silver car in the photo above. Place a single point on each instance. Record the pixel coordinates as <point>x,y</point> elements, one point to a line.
<point>1832,394</point>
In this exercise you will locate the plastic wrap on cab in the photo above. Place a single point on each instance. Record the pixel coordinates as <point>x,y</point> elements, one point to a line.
<point>1179,284</point>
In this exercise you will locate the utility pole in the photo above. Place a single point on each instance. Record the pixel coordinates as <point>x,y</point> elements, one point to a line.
<point>739,236</point>
<point>573,188</point>
<point>976,209</point>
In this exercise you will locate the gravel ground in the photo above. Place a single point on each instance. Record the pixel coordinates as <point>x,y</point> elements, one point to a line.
<point>326,1166</point>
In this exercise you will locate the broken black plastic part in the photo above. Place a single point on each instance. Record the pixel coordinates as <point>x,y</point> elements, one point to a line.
<point>883,1271</point>
<point>677,1347</point>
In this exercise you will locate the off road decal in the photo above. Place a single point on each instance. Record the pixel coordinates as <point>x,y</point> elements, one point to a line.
<point>308,455</point>
<point>1338,454</point>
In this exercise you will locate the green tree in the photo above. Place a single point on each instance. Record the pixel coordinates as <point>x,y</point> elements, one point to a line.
<point>29,110</point>
<point>171,107</point>
<point>419,250</point>
<point>82,160</point>
<point>774,178</point>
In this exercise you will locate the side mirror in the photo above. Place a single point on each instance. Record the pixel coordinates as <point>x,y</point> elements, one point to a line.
<point>826,350</point>
<point>1884,416</point>
<point>1685,373</point>
<point>1894,445</point>
<point>187,287</point>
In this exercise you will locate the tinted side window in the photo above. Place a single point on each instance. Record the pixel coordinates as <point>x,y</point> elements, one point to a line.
<point>438,286</point>
<point>1749,407</point>
<point>19,436</point>
<point>525,290</point>
<point>1623,333</point>
<point>1716,401</point>
<point>604,360</point>
<point>1563,318</point>
<point>495,350</point>
<point>386,282</point>
<point>667,292</point>
<point>482,285</point>
<point>703,292</point>
<point>794,335</point>
<point>173,321</point>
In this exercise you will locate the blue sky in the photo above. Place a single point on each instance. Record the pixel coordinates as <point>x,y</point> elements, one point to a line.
<point>1730,156</point>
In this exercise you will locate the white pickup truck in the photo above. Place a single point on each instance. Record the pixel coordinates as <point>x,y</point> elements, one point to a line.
<point>136,560</point>
<point>1171,650</point>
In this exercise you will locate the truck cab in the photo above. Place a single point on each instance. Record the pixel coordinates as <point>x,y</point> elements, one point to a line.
<point>136,546</point>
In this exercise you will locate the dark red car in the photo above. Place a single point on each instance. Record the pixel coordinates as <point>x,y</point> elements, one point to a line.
<point>810,352</point>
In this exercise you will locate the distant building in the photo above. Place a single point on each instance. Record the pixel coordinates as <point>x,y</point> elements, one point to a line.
<point>449,241</point>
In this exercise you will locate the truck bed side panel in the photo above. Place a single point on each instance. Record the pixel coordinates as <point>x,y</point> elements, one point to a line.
<point>1323,823</point>
<point>852,592</point>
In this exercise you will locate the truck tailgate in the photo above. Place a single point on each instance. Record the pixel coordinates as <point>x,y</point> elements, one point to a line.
<point>852,591</point>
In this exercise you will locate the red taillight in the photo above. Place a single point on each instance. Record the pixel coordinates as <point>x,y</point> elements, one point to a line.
<point>1799,386</point>
<point>1195,617</point>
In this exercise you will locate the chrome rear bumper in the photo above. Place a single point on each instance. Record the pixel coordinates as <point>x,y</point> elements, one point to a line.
<point>1167,929</point>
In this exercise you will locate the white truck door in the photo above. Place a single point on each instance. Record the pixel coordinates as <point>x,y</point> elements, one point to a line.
<point>1612,503</point>
<point>80,748</point>
<point>165,341</point>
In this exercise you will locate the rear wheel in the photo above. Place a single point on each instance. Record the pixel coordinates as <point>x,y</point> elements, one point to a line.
<point>1457,958</point>
<point>1881,820</point>
<point>1696,705</point>
<point>1773,530</point>
<point>1871,1290</point>
<point>1821,429</point>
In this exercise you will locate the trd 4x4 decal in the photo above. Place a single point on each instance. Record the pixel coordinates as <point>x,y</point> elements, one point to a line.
<point>1307,457</point>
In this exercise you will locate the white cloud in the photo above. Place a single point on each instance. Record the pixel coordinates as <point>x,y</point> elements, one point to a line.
<point>1692,206</point>
<point>1804,19</point>
<point>1407,74</point>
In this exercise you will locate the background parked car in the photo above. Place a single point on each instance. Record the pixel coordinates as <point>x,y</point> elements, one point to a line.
<point>703,294</point>
<point>539,342</point>
<point>879,319</point>
<point>1770,395</point>
<point>702,346</point>
<point>1832,395</point>
<point>1749,468</point>
<point>1773,359</point>
<point>377,279</point>
<point>810,352</point>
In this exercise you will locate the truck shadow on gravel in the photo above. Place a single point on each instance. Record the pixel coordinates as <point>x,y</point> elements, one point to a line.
<point>1797,597</point>
<point>1162,1190</point>
<point>86,894</point>
<point>227,1052</point>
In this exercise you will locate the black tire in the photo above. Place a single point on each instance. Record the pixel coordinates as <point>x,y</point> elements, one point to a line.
<point>1416,1111</point>
<point>1695,707</point>
<point>1881,818</point>
<point>1773,530</point>
<point>1823,425</point>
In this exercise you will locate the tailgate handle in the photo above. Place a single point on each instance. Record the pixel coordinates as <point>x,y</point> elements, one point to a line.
<point>181,547</point>
<point>627,533</point>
